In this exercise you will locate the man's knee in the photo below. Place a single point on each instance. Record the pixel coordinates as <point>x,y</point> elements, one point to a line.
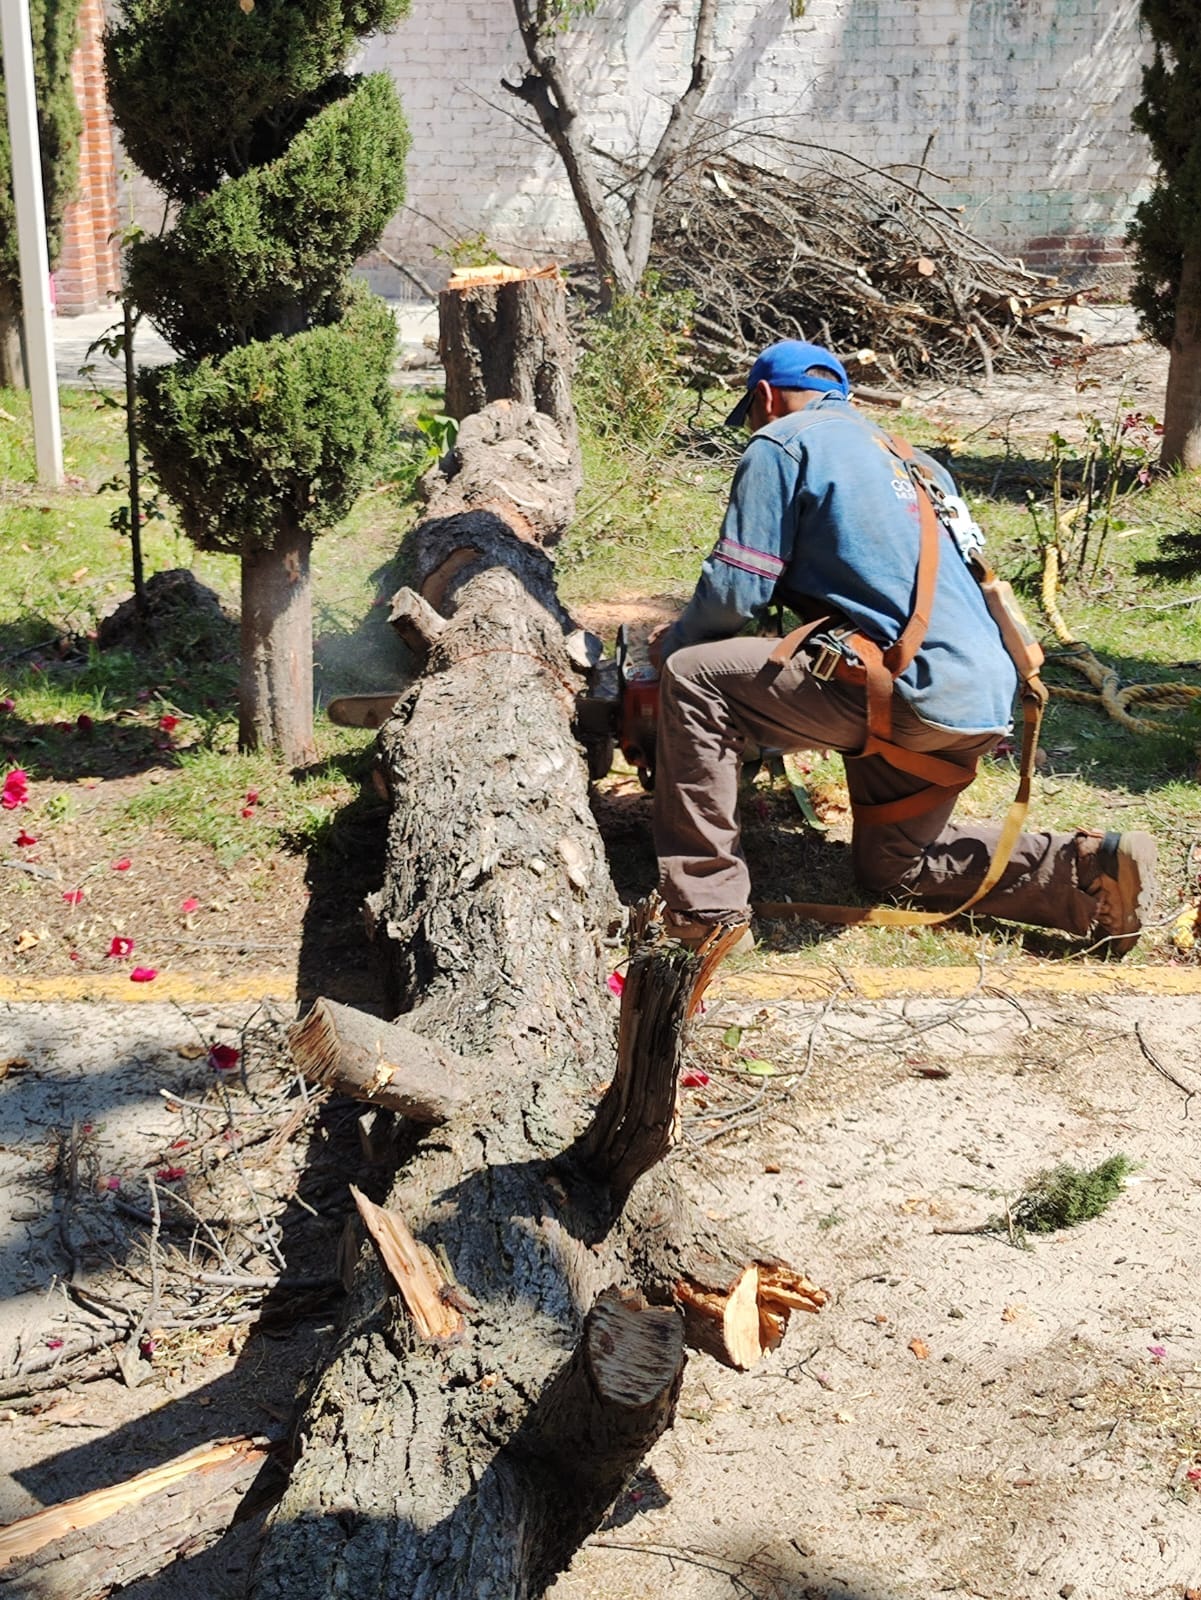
<point>881,867</point>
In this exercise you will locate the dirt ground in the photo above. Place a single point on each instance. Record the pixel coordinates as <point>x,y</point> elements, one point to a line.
<point>966,1416</point>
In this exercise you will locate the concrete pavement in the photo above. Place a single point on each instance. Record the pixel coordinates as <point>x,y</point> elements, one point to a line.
<point>416,363</point>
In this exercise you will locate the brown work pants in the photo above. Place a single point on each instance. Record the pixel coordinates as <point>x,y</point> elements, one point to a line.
<point>716,698</point>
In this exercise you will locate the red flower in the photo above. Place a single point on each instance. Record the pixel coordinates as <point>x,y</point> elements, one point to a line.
<point>123,865</point>
<point>252,797</point>
<point>16,789</point>
<point>615,983</point>
<point>168,723</point>
<point>171,1174</point>
<point>122,945</point>
<point>179,1144</point>
<point>72,896</point>
<point>248,811</point>
<point>143,975</point>
<point>84,723</point>
<point>189,905</point>
<point>25,839</point>
<point>694,1078</point>
<point>223,1057</point>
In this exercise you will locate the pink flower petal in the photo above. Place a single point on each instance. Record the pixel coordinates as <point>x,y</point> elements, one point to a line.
<point>123,865</point>
<point>189,905</point>
<point>171,1174</point>
<point>248,811</point>
<point>16,789</point>
<point>1157,1352</point>
<point>8,703</point>
<point>694,1078</point>
<point>143,975</point>
<point>54,1344</point>
<point>112,1183</point>
<point>223,1057</point>
<point>121,946</point>
<point>72,896</point>
<point>615,983</point>
<point>25,839</point>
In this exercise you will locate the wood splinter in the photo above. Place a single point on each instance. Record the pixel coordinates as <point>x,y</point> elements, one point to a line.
<point>737,1325</point>
<point>429,1295</point>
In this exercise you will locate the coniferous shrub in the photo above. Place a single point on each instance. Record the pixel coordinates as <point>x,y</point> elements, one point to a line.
<point>284,169</point>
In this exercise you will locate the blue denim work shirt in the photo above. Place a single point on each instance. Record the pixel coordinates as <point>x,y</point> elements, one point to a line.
<point>821,511</point>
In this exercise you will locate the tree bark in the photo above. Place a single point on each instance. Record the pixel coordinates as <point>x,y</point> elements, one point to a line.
<point>509,340</point>
<point>12,342</point>
<point>275,706</point>
<point>1182,403</point>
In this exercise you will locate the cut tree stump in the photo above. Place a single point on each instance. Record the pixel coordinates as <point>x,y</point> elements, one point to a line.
<point>471,1455</point>
<point>503,336</point>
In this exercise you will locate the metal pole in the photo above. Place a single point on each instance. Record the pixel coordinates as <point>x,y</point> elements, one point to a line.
<point>16,41</point>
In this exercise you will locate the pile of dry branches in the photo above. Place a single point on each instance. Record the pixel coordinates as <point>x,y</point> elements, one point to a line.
<point>805,243</point>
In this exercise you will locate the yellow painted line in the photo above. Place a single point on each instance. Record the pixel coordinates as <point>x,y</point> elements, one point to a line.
<point>187,989</point>
<point>782,982</point>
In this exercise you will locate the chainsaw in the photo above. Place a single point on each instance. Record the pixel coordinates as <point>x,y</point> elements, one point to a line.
<point>619,710</point>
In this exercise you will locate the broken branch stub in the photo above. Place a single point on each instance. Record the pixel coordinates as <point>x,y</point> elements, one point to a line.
<point>381,1062</point>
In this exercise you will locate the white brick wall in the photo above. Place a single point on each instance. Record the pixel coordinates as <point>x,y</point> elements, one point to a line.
<point>1029,102</point>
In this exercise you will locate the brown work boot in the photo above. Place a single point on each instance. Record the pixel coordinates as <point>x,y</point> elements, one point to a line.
<point>1119,872</point>
<point>693,931</point>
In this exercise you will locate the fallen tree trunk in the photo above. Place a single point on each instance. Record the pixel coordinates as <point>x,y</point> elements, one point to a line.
<point>474,1458</point>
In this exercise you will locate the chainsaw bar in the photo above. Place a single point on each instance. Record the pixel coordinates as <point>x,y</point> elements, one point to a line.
<point>362,710</point>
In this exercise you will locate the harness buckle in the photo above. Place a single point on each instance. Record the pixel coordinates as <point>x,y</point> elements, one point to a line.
<point>829,652</point>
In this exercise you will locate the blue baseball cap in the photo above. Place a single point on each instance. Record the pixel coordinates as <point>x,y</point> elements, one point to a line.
<point>786,366</point>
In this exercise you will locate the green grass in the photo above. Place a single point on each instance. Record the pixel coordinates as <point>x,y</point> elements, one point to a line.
<point>65,566</point>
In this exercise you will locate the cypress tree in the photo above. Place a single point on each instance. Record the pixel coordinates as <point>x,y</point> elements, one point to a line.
<point>1166,232</point>
<point>55,28</point>
<point>284,170</point>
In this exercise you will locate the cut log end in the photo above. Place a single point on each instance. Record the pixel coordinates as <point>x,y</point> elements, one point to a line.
<point>739,1325</point>
<point>634,1351</point>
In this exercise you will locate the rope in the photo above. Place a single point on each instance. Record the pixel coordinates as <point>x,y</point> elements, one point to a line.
<point>1107,692</point>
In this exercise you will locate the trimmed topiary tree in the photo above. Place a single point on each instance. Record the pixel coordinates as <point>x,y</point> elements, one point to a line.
<point>1166,232</point>
<point>285,170</point>
<point>55,28</point>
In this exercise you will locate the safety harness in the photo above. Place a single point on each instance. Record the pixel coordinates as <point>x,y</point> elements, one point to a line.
<point>849,656</point>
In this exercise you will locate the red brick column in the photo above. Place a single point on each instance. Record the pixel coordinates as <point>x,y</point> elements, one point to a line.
<point>90,266</point>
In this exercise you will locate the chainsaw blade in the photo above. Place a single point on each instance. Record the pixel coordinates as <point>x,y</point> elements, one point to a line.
<point>362,710</point>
